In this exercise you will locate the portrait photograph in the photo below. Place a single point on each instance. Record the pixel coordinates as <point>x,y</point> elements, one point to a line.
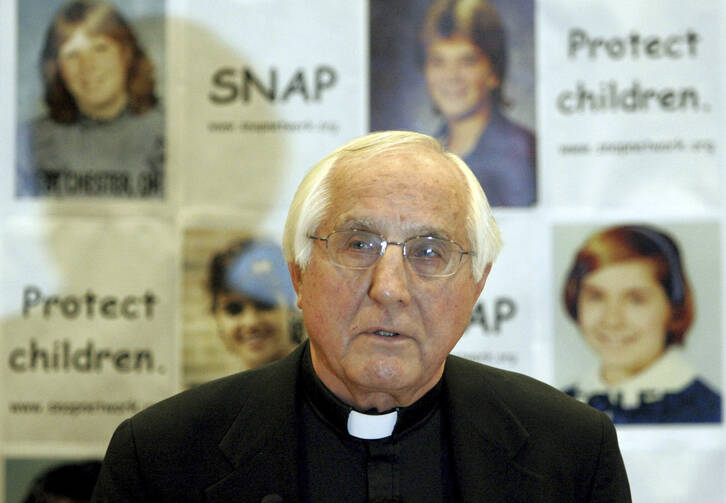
<point>638,323</point>
<point>239,306</point>
<point>462,71</point>
<point>50,480</point>
<point>90,115</point>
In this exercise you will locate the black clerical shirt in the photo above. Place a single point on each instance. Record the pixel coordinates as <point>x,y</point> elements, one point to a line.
<point>411,465</point>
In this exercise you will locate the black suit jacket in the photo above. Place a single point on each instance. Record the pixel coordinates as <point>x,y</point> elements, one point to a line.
<point>513,439</point>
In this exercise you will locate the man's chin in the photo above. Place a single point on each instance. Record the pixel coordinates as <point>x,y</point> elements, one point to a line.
<point>388,375</point>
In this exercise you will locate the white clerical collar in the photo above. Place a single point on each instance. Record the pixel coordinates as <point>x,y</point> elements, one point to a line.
<point>371,426</point>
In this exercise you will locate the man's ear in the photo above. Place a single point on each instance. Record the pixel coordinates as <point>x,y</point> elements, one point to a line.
<point>296,275</point>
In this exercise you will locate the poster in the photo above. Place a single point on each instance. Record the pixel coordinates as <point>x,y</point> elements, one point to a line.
<point>46,479</point>
<point>465,74</point>
<point>91,123</point>
<point>636,99</point>
<point>239,305</point>
<point>87,327</point>
<point>258,111</point>
<point>501,330</point>
<point>105,298</point>
<point>638,327</point>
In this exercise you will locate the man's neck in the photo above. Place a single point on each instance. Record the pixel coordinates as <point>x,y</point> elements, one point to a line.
<point>364,399</point>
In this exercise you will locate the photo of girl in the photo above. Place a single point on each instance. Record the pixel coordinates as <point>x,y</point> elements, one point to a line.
<point>253,302</point>
<point>462,71</point>
<point>465,63</point>
<point>628,293</point>
<point>103,131</point>
<point>239,306</point>
<point>37,480</point>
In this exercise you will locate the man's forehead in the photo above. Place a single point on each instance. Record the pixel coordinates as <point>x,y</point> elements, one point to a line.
<point>363,186</point>
<point>359,220</point>
<point>361,159</point>
<point>397,166</point>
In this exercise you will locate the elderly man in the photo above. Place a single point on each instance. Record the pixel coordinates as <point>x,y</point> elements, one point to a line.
<point>389,242</point>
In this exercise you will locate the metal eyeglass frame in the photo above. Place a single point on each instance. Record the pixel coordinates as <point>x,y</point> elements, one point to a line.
<point>402,244</point>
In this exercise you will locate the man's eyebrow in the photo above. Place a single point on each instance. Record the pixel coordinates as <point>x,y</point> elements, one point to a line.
<point>370,225</point>
<point>427,230</point>
<point>356,223</point>
<point>433,232</point>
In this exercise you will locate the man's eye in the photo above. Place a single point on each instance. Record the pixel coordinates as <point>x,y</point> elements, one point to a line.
<point>428,248</point>
<point>427,252</point>
<point>360,245</point>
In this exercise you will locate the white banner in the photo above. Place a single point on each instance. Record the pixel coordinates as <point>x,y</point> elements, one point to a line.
<point>88,327</point>
<point>630,103</point>
<point>271,87</point>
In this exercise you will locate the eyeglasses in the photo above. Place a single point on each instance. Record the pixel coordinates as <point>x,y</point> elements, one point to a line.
<point>429,256</point>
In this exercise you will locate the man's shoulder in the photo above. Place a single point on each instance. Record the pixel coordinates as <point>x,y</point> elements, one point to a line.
<point>212,407</point>
<point>572,446</point>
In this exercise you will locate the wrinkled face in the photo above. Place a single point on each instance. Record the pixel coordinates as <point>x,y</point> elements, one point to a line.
<point>94,70</point>
<point>385,330</point>
<point>624,312</point>
<point>459,77</point>
<point>256,332</point>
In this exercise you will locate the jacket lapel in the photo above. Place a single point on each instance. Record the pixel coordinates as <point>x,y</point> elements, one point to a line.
<point>262,442</point>
<point>485,438</point>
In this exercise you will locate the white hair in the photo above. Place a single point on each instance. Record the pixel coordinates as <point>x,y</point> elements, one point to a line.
<point>312,199</point>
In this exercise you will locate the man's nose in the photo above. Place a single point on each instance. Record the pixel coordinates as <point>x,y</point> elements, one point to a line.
<point>389,280</point>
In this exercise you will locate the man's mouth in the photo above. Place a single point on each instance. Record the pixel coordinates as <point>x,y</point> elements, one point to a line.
<point>386,333</point>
